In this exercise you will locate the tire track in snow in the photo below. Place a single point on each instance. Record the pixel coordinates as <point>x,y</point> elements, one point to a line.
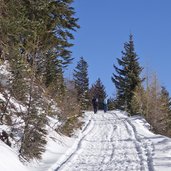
<point>111,125</point>
<point>120,154</point>
<point>136,143</point>
<point>140,145</point>
<point>114,127</point>
<point>96,148</point>
<point>124,157</point>
<point>118,159</point>
<point>112,143</point>
<point>101,134</point>
<point>87,129</point>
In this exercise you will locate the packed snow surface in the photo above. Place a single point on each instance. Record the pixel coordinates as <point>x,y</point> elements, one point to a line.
<point>109,141</point>
<point>113,141</point>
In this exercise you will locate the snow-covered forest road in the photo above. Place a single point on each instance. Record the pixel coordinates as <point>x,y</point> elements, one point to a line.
<point>115,142</point>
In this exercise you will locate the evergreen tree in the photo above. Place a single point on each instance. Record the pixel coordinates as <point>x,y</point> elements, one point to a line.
<point>53,79</point>
<point>139,101</point>
<point>157,107</point>
<point>35,37</point>
<point>98,90</point>
<point>70,110</point>
<point>35,28</point>
<point>19,88</point>
<point>82,83</point>
<point>111,103</point>
<point>49,73</point>
<point>154,104</point>
<point>165,108</point>
<point>127,77</point>
<point>33,139</point>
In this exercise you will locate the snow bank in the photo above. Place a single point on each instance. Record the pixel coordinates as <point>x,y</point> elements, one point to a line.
<point>161,145</point>
<point>9,160</point>
<point>155,149</point>
<point>59,147</point>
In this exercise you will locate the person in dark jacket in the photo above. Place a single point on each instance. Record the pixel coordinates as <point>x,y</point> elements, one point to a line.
<point>95,104</point>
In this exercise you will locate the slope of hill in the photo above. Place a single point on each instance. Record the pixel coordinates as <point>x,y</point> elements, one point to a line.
<point>9,159</point>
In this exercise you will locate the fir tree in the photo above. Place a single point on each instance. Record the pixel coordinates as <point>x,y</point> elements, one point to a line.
<point>165,108</point>
<point>35,28</point>
<point>19,86</point>
<point>98,90</point>
<point>82,83</point>
<point>53,78</point>
<point>33,139</point>
<point>127,77</point>
<point>111,103</point>
<point>35,37</point>
<point>139,101</point>
<point>70,110</point>
<point>154,104</point>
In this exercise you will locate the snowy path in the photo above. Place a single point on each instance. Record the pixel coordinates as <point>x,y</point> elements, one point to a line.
<point>110,142</point>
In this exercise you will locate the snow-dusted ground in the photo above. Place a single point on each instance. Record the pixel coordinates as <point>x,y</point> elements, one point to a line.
<point>109,141</point>
<point>9,159</point>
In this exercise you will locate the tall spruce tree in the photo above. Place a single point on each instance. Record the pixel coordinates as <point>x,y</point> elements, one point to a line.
<point>165,108</point>
<point>54,79</point>
<point>98,90</point>
<point>127,77</point>
<point>33,139</point>
<point>35,28</point>
<point>82,83</point>
<point>32,33</point>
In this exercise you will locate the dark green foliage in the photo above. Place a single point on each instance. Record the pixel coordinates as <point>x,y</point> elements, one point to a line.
<point>127,77</point>
<point>154,104</point>
<point>19,74</point>
<point>82,83</point>
<point>53,79</point>
<point>166,99</point>
<point>139,101</point>
<point>98,90</point>
<point>111,104</point>
<point>35,37</point>
<point>9,27</point>
<point>165,107</point>
<point>33,140</point>
<point>36,28</point>
<point>70,111</point>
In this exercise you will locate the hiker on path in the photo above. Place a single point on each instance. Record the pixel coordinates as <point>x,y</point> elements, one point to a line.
<point>95,104</point>
<point>105,105</point>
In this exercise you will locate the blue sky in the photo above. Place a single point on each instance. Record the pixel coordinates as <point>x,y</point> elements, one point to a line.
<point>105,27</point>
